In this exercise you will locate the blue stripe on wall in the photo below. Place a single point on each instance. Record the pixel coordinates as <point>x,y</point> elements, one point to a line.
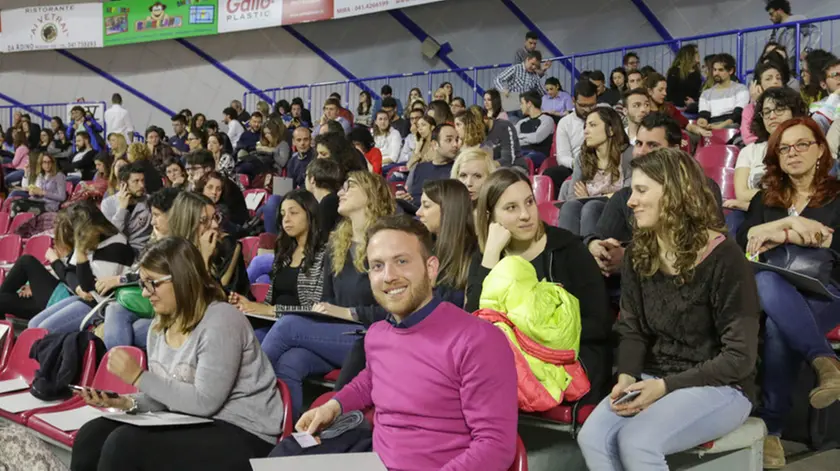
<point>224,69</point>
<point>552,48</point>
<point>654,21</point>
<point>329,60</point>
<point>115,81</point>
<point>23,106</point>
<point>443,53</point>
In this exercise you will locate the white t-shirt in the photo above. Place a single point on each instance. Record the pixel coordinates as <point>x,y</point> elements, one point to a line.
<point>752,157</point>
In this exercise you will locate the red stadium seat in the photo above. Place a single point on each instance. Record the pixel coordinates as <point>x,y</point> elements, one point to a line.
<point>250,247</point>
<point>259,290</point>
<point>551,160</point>
<point>4,223</point>
<point>268,241</point>
<point>19,364</point>
<point>19,220</point>
<point>10,247</point>
<point>543,188</point>
<point>530,166</point>
<point>717,156</point>
<point>7,205</point>
<point>8,339</point>
<point>38,246</point>
<point>244,180</point>
<point>288,414</point>
<point>2,275</point>
<point>549,213</point>
<point>719,137</point>
<point>69,186</point>
<point>727,184</point>
<point>104,380</point>
<point>685,143</point>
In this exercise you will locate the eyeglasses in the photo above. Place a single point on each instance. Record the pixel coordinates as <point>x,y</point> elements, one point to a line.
<point>217,217</point>
<point>799,146</point>
<point>195,168</point>
<point>151,285</point>
<point>348,185</point>
<point>833,75</point>
<point>766,112</point>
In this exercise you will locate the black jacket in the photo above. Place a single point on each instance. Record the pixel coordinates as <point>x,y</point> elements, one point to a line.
<point>61,358</point>
<point>569,263</point>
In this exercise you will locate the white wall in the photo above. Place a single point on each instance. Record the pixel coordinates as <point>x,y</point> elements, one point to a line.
<point>480,31</point>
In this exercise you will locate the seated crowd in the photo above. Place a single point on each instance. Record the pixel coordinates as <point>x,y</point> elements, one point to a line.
<point>403,224</point>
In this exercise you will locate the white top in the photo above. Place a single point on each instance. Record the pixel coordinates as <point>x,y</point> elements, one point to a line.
<point>752,157</point>
<point>568,138</point>
<point>408,147</point>
<point>722,102</point>
<point>118,120</point>
<point>389,145</point>
<point>235,131</point>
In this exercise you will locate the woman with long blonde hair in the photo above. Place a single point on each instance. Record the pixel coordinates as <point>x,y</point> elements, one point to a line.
<point>689,325</point>
<point>309,346</point>
<point>472,167</point>
<point>470,129</point>
<point>118,144</point>
<point>684,79</point>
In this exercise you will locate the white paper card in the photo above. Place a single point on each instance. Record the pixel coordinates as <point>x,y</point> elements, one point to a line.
<point>157,419</point>
<point>342,461</point>
<point>3,329</point>
<point>20,402</point>
<point>252,201</point>
<point>10,385</point>
<point>71,419</point>
<point>305,440</point>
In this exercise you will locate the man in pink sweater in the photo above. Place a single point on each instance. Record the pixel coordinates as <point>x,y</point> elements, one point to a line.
<point>442,382</point>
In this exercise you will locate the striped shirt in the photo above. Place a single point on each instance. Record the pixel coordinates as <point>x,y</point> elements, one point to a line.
<point>516,79</point>
<point>310,286</point>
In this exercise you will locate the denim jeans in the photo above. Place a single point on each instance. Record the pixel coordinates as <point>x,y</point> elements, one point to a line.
<point>581,217</point>
<point>536,157</point>
<point>679,421</point>
<point>124,328</point>
<point>794,332</point>
<point>260,268</point>
<point>63,316</point>
<point>269,213</point>
<point>14,176</point>
<point>734,220</point>
<point>299,346</point>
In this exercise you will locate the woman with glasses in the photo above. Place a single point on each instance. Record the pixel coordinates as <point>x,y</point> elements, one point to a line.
<point>305,346</point>
<point>87,247</point>
<point>203,361</point>
<point>766,75</point>
<point>48,191</point>
<point>193,216</point>
<point>197,139</point>
<point>798,205</point>
<point>775,106</point>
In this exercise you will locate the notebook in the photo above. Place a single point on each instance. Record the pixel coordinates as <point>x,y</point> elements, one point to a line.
<point>343,461</point>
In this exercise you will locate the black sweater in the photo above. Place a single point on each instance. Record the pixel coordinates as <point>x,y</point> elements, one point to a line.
<point>679,89</point>
<point>351,289</point>
<point>759,213</point>
<point>701,333</point>
<point>567,261</point>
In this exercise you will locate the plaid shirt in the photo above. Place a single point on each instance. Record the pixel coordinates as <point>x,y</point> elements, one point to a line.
<point>516,79</point>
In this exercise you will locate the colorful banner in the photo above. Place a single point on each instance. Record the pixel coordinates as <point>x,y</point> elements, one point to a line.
<point>346,8</point>
<point>305,11</point>
<point>52,27</point>
<point>240,15</point>
<point>137,21</point>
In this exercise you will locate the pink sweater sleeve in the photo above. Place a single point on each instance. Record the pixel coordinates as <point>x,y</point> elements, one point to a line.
<point>21,158</point>
<point>489,402</point>
<point>356,395</point>
<point>746,121</point>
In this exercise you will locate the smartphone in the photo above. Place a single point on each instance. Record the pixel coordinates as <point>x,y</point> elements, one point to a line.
<point>626,397</point>
<point>400,187</point>
<point>110,394</point>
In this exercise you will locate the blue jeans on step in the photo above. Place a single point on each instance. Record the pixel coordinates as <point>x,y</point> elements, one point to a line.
<point>124,328</point>
<point>679,421</point>
<point>269,214</point>
<point>63,316</point>
<point>794,332</point>
<point>299,346</point>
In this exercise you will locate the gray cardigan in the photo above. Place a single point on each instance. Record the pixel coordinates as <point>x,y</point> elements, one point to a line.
<point>55,191</point>
<point>567,191</point>
<point>220,372</point>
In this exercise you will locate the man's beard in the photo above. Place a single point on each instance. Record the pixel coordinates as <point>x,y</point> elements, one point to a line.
<point>417,294</point>
<point>717,79</point>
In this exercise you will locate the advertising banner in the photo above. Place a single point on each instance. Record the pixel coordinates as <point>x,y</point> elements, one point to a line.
<point>137,21</point>
<point>304,11</point>
<point>240,15</point>
<point>345,8</point>
<point>52,27</point>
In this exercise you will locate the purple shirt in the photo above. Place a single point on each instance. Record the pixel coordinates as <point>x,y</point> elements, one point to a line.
<point>562,103</point>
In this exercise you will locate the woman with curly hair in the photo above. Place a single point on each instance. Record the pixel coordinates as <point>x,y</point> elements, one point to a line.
<point>603,169</point>
<point>306,346</point>
<point>798,206</point>
<point>470,129</point>
<point>689,325</point>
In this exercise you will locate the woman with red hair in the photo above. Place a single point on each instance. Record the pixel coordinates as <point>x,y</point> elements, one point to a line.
<point>798,205</point>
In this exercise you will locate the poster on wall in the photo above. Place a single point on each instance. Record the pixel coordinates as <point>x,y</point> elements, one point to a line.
<point>345,8</point>
<point>137,21</point>
<point>240,15</point>
<point>52,27</point>
<point>305,11</point>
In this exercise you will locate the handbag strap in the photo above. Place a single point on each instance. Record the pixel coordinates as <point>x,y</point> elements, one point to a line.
<point>99,308</point>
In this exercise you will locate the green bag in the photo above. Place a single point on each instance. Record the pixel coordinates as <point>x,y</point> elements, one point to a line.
<point>60,293</point>
<point>131,298</point>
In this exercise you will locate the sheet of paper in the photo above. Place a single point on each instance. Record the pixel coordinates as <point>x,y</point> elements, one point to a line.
<point>305,440</point>
<point>17,384</point>
<point>20,402</point>
<point>71,419</point>
<point>343,461</point>
<point>252,201</point>
<point>157,419</point>
<point>3,329</point>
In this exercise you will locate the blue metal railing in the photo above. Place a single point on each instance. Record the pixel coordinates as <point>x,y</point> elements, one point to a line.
<point>745,45</point>
<point>42,113</point>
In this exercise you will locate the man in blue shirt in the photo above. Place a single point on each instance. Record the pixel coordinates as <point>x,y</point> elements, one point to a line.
<point>178,140</point>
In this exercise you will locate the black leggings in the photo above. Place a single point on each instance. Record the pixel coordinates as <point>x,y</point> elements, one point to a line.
<point>107,445</point>
<point>558,175</point>
<point>41,282</point>
<point>354,363</point>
